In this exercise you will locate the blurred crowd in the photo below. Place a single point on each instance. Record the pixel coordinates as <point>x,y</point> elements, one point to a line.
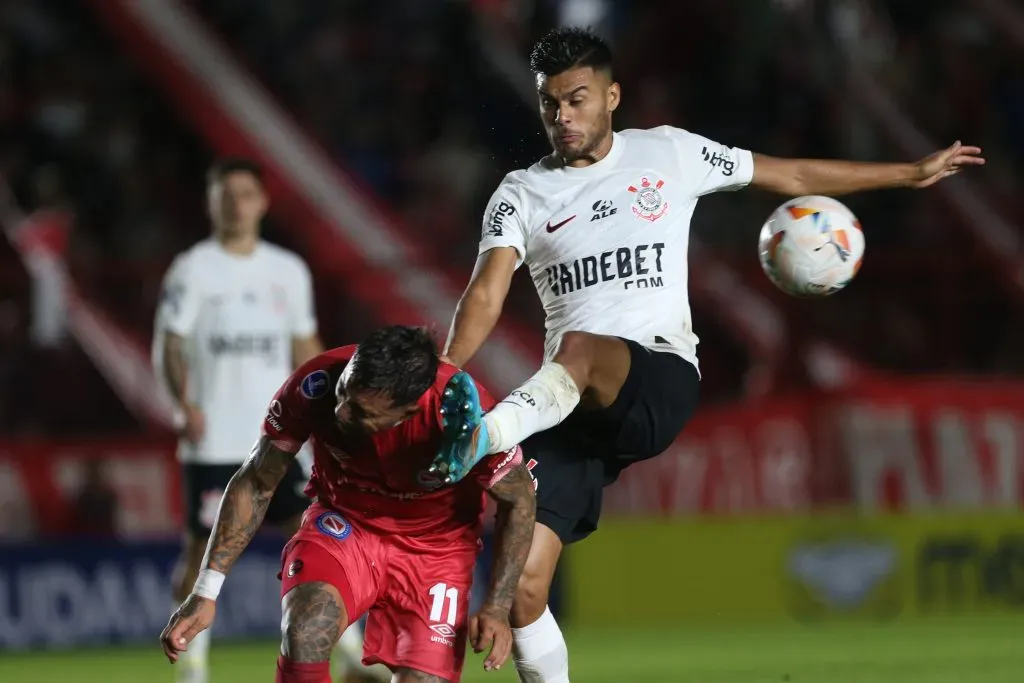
<point>407,103</point>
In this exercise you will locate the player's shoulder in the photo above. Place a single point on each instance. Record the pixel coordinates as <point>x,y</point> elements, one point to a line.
<point>658,134</point>
<point>284,258</point>
<point>316,378</point>
<point>197,259</point>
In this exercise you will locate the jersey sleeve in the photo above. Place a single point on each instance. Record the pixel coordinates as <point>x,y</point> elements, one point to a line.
<point>504,224</point>
<point>303,308</point>
<point>288,422</point>
<point>493,468</point>
<point>710,165</point>
<point>180,299</point>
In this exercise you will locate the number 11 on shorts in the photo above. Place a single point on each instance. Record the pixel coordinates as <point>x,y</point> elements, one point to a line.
<point>441,592</point>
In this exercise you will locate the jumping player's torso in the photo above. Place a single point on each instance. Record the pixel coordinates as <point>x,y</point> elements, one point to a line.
<point>607,244</point>
<point>380,479</point>
<point>243,313</point>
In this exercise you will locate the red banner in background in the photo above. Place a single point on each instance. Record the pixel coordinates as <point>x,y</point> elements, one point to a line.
<point>54,488</point>
<point>919,445</point>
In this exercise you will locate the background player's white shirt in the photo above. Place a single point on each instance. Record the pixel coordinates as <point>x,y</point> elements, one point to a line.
<point>238,315</point>
<point>607,244</point>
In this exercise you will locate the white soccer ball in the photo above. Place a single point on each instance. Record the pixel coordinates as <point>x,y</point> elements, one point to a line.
<point>811,246</point>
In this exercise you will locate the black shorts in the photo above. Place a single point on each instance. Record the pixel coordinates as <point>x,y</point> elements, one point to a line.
<point>204,486</point>
<point>573,462</point>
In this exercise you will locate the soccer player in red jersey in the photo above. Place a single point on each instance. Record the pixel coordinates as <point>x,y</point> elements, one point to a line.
<point>382,535</point>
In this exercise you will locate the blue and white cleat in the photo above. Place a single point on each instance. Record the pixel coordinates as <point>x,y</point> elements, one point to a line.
<point>465,441</point>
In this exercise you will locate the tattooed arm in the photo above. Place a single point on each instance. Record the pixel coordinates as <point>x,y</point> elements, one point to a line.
<point>245,503</point>
<point>513,533</point>
<point>241,511</point>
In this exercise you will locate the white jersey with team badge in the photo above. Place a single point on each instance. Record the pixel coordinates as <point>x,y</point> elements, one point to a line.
<point>607,244</point>
<point>238,316</point>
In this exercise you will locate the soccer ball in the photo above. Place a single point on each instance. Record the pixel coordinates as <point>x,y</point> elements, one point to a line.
<point>811,246</point>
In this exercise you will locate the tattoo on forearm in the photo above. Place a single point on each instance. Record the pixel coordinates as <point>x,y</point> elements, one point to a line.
<point>175,366</point>
<point>245,503</point>
<point>312,623</point>
<point>517,512</point>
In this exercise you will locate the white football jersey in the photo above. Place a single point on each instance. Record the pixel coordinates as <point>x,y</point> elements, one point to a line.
<point>238,315</point>
<point>607,244</point>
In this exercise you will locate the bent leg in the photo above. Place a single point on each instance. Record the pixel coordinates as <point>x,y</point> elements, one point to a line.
<point>588,366</point>
<point>539,649</point>
<point>314,617</point>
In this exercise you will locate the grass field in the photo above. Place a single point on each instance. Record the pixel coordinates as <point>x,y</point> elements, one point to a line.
<point>960,651</point>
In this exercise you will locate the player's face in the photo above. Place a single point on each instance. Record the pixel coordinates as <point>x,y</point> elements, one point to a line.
<point>576,107</point>
<point>237,203</point>
<point>368,411</point>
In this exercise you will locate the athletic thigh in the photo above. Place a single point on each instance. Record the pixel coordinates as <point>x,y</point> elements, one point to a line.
<point>421,621</point>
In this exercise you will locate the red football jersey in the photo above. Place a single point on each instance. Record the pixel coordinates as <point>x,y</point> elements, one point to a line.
<point>379,480</point>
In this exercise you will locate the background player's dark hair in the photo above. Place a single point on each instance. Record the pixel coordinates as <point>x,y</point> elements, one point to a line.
<point>399,361</point>
<point>221,168</point>
<point>568,48</point>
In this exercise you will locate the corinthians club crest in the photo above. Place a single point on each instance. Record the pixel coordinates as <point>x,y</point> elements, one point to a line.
<point>648,204</point>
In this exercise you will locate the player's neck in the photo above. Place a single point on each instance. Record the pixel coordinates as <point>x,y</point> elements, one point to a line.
<point>239,245</point>
<point>600,152</point>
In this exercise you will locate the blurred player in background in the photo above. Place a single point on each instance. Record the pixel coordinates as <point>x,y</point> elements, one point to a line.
<point>603,224</point>
<point>382,536</point>
<point>236,317</point>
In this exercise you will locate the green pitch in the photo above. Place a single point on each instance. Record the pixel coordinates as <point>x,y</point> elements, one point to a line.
<point>959,651</point>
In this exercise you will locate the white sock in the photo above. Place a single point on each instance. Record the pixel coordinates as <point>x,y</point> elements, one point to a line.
<point>539,651</point>
<point>193,663</point>
<point>540,403</point>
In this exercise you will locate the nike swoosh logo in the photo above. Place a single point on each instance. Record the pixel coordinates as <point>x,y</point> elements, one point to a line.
<point>556,226</point>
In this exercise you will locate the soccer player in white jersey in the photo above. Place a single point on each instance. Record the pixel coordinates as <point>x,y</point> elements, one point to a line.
<point>236,318</point>
<point>603,225</point>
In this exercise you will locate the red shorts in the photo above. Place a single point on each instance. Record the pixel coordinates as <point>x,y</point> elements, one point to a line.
<point>417,594</point>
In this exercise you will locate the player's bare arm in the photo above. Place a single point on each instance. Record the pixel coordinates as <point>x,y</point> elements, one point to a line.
<point>800,177</point>
<point>242,509</point>
<point>480,306</point>
<point>513,531</point>
<point>305,349</point>
<point>245,503</point>
<point>175,370</point>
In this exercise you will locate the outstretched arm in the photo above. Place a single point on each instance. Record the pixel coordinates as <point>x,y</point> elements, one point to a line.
<point>799,177</point>
<point>513,534</point>
<point>480,306</point>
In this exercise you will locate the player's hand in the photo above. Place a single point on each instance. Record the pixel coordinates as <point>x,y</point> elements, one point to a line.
<point>489,628</point>
<point>195,423</point>
<point>945,163</point>
<point>194,616</point>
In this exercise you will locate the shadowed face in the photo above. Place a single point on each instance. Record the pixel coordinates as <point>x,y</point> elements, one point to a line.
<point>237,203</point>
<point>367,410</point>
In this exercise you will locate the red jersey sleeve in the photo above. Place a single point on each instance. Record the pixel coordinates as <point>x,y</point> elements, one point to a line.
<point>289,419</point>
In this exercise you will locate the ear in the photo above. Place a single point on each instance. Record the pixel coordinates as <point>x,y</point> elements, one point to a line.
<point>614,96</point>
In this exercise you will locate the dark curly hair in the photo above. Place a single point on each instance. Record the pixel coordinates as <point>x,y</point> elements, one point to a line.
<point>568,48</point>
<point>398,361</point>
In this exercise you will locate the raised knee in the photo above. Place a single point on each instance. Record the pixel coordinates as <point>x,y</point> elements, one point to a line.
<point>531,598</point>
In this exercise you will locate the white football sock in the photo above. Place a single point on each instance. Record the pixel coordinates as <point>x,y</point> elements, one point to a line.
<point>539,651</point>
<point>193,664</point>
<point>540,403</point>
